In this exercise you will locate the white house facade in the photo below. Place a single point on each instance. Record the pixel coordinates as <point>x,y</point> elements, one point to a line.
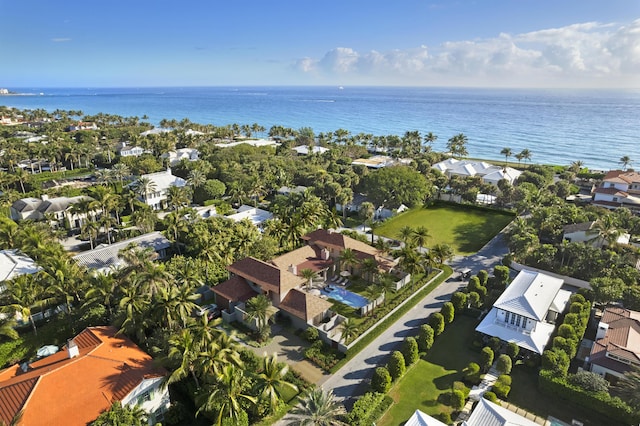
<point>161,182</point>
<point>489,173</point>
<point>526,311</point>
<point>152,397</point>
<point>618,189</point>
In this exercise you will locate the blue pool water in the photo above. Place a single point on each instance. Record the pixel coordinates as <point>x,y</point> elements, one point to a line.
<point>345,296</point>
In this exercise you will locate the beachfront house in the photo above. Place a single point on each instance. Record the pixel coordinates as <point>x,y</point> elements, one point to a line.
<point>616,349</point>
<point>619,189</point>
<point>489,173</point>
<point>126,150</point>
<point>73,386</point>
<point>526,312</point>
<point>159,184</point>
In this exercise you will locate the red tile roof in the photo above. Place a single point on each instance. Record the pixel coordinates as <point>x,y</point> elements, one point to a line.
<point>75,391</point>
<point>304,305</point>
<point>235,289</point>
<point>622,340</point>
<point>266,275</point>
<point>621,176</point>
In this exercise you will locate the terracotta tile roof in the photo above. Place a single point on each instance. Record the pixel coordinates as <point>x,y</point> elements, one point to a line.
<point>611,191</point>
<point>621,340</point>
<point>304,305</point>
<point>621,176</point>
<point>235,289</point>
<point>305,257</point>
<point>75,391</point>
<point>266,275</point>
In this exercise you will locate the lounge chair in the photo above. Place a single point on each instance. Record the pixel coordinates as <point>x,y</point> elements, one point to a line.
<point>334,278</point>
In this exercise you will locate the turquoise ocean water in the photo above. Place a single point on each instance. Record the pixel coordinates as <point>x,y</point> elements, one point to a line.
<point>557,126</point>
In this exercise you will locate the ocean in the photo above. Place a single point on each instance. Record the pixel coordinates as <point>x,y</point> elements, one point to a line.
<point>596,127</point>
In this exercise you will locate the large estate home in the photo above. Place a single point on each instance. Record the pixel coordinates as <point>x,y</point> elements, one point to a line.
<point>586,232</point>
<point>73,386</point>
<point>526,311</point>
<point>618,189</point>
<point>616,349</point>
<point>175,157</point>
<point>105,258</point>
<point>282,282</point>
<point>125,150</point>
<point>57,210</point>
<point>488,172</point>
<point>159,184</point>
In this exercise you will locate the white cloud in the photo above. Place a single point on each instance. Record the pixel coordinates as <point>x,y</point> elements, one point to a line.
<point>581,55</point>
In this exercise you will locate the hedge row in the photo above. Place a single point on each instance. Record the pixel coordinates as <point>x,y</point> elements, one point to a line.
<point>601,402</point>
<point>369,408</point>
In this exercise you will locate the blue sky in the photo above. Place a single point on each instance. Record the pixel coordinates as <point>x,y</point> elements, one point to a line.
<point>483,43</point>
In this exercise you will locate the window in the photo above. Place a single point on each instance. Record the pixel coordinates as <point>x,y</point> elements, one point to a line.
<point>145,396</point>
<point>506,317</point>
<point>518,319</point>
<point>513,319</point>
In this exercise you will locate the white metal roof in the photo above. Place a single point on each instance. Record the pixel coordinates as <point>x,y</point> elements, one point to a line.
<point>422,419</point>
<point>530,294</point>
<point>13,264</point>
<point>535,341</point>
<point>487,413</point>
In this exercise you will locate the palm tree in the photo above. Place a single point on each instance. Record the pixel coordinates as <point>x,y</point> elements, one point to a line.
<point>226,394</point>
<point>607,230</point>
<point>318,408</point>
<point>369,268</point>
<point>259,308</point>
<point>420,236</point>
<point>405,234</point>
<point>347,259</point>
<point>525,154</point>
<point>348,330</point>
<point>178,197</point>
<point>442,253</point>
<point>507,153</point>
<point>309,275</point>
<point>271,382</point>
<point>175,223</point>
<point>7,328</point>
<point>144,186</point>
<point>197,178</point>
<point>23,293</point>
<point>184,347</point>
<point>625,161</point>
<point>65,278</point>
<point>629,387</point>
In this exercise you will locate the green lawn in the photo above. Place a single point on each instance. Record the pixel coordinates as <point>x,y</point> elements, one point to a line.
<point>465,230</point>
<point>433,375</point>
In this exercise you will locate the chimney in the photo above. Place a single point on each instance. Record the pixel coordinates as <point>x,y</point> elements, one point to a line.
<point>72,349</point>
<point>44,197</point>
<point>293,269</point>
<point>602,330</point>
<point>324,253</point>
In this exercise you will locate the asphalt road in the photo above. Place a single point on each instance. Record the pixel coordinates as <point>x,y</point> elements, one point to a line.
<point>352,380</point>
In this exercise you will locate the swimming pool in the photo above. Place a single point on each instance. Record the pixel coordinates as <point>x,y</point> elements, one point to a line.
<point>345,296</point>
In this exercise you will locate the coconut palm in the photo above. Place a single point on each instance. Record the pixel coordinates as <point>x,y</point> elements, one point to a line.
<point>420,236</point>
<point>184,348</point>
<point>178,197</point>
<point>24,293</point>
<point>442,253</point>
<point>369,268</point>
<point>507,153</point>
<point>7,328</point>
<point>625,161</point>
<point>607,230</point>
<point>271,382</point>
<point>143,187</point>
<point>348,330</point>
<point>65,279</point>
<point>318,408</point>
<point>347,259</point>
<point>259,308</point>
<point>405,234</point>
<point>309,275</point>
<point>226,394</point>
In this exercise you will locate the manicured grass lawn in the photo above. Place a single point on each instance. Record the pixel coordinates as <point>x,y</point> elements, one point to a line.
<point>465,230</point>
<point>433,375</point>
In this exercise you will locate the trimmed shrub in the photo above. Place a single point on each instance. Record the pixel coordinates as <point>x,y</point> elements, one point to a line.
<point>512,350</point>
<point>486,356</point>
<point>472,373</point>
<point>396,365</point>
<point>474,282</point>
<point>567,331</point>
<point>568,346</point>
<point>381,380</point>
<point>448,312</point>
<point>491,397</point>
<point>502,386</point>
<point>457,400</point>
<point>459,300</point>
<point>504,379</point>
<point>474,300</point>
<point>504,364</point>
<point>494,343</point>
<point>483,276</point>
<point>556,361</point>
<point>365,409</point>
<point>457,385</point>
<point>501,273</point>
<point>444,417</point>
<point>425,338</point>
<point>589,381</point>
<point>311,334</point>
<point>436,321</point>
<point>410,351</point>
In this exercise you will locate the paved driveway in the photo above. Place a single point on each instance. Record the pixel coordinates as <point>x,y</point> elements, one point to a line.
<point>352,379</point>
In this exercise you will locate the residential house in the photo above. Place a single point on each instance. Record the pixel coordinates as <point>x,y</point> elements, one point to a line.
<point>619,189</point>
<point>281,279</point>
<point>585,232</point>
<point>253,214</point>
<point>155,131</point>
<point>105,258</point>
<point>489,173</point>
<point>616,349</point>
<point>125,150</point>
<point>418,418</point>
<point>72,387</point>
<point>175,157</point>
<point>375,162</point>
<point>285,190</point>
<point>82,126</point>
<point>306,150</point>
<point>161,182</point>
<point>485,413</point>
<point>526,311</point>
<point>58,210</point>
<point>13,264</point>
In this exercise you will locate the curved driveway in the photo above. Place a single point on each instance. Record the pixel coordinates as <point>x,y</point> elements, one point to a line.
<point>352,379</point>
